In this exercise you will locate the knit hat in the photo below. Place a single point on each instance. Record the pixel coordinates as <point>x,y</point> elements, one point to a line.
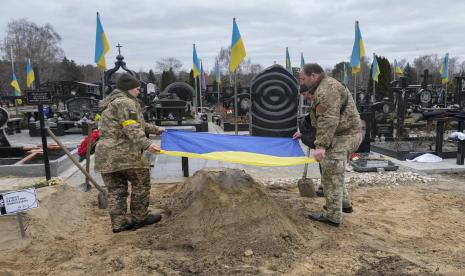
<point>127,82</point>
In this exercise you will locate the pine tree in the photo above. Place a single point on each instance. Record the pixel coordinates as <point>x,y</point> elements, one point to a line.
<point>410,73</point>
<point>151,78</point>
<point>164,80</point>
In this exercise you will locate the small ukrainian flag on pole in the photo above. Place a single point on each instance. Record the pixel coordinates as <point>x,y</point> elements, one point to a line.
<point>101,46</point>
<point>29,74</point>
<point>196,63</point>
<point>237,48</point>
<point>288,61</point>
<point>358,51</point>
<point>444,70</point>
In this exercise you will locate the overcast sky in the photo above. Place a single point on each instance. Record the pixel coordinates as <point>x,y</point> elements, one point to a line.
<point>322,30</point>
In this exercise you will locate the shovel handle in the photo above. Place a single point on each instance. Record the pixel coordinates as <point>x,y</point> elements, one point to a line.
<point>306,165</point>
<point>91,179</point>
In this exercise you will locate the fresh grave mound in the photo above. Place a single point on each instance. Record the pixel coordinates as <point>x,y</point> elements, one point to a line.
<point>226,213</point>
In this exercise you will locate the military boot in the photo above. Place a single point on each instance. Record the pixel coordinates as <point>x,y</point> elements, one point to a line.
<point>148,220</point>
<point>125,227</point>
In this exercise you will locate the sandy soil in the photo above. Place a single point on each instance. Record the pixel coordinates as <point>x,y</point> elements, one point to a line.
<point>222,223</point>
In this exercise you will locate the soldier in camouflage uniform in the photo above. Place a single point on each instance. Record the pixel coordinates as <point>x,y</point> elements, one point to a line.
<point>338,133</point>
<point>119,155</point>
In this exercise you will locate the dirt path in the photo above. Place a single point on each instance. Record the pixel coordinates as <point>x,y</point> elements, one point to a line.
<point>414,229</point>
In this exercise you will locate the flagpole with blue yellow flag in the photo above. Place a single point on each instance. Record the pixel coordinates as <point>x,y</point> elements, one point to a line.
<point>288,62</point>
<point>237,56</point>
<point>358,51</point>
<point>195,73</point>
<point>374,76</point>
<point>101,48</point>
<point>444,70</point>
<point>397,69</point>
<point>30,77</point>
<point>247,150</point>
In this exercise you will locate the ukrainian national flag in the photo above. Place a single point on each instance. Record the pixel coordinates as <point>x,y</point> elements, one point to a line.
<point>248,150</point>
<point>397,69</point>
<point>288,62</point>
<point>302,61</point>
<point>101,46</point>
<point>30,74</point>
<point>358,51</point>
<point>444,70</point>
<point>14,83</point>
<point>375,69</point>
<point>237,48</point>
<point>196,64</point>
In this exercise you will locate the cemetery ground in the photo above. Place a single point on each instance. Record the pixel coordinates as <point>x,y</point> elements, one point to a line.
<point>403,224</point>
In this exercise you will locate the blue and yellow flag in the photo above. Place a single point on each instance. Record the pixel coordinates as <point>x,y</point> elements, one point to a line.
<point>375,69</point>
<point>196,63</point>
<point>14,83</point>
<point>248,150</point>
<point>398,71</point>
<point>288,62</point>
<point>237,48</point>
<point>302,61</point>
<point>217,72</point>
<point>358,51</point>
<point>101,46</point>
<point>30,74</point>
<point>444,70</point>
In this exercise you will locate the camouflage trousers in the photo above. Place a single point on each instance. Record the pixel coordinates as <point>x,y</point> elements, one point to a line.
<point>117,186</point>
<point>333,168</point>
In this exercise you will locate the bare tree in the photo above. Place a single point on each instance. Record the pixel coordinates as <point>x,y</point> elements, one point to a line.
<point>39,43</point>
<point>165,64</point>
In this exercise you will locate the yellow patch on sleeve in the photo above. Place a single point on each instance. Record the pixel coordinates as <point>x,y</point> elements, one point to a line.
<point>129,122</point>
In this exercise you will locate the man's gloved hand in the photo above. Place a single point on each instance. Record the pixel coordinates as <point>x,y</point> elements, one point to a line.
<point>319,154</point>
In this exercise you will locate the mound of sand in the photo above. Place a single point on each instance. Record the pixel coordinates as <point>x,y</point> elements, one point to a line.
<point>226,213</point>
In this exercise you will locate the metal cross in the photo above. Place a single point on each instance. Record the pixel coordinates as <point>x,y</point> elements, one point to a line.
<point>119,48</point>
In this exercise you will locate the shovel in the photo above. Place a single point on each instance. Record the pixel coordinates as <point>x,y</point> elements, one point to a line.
<point>102,195</point>
<point>305,185</point>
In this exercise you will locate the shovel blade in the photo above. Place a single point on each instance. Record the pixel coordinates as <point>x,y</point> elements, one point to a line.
<point>306,187</point>
<point>84,187</point>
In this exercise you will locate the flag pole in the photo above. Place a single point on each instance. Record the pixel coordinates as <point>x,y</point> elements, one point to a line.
<point>373,99</point>
<point>103,84</point>
<point>235,103</point>
<point>13,71</point>
<point>218,87</point>
<point>355,89</point>
<point>200,84</point>
<point>196,96</point>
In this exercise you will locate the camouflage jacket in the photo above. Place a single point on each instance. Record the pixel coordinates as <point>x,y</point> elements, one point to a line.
<point>123,134</point>
<point>326,116</point>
